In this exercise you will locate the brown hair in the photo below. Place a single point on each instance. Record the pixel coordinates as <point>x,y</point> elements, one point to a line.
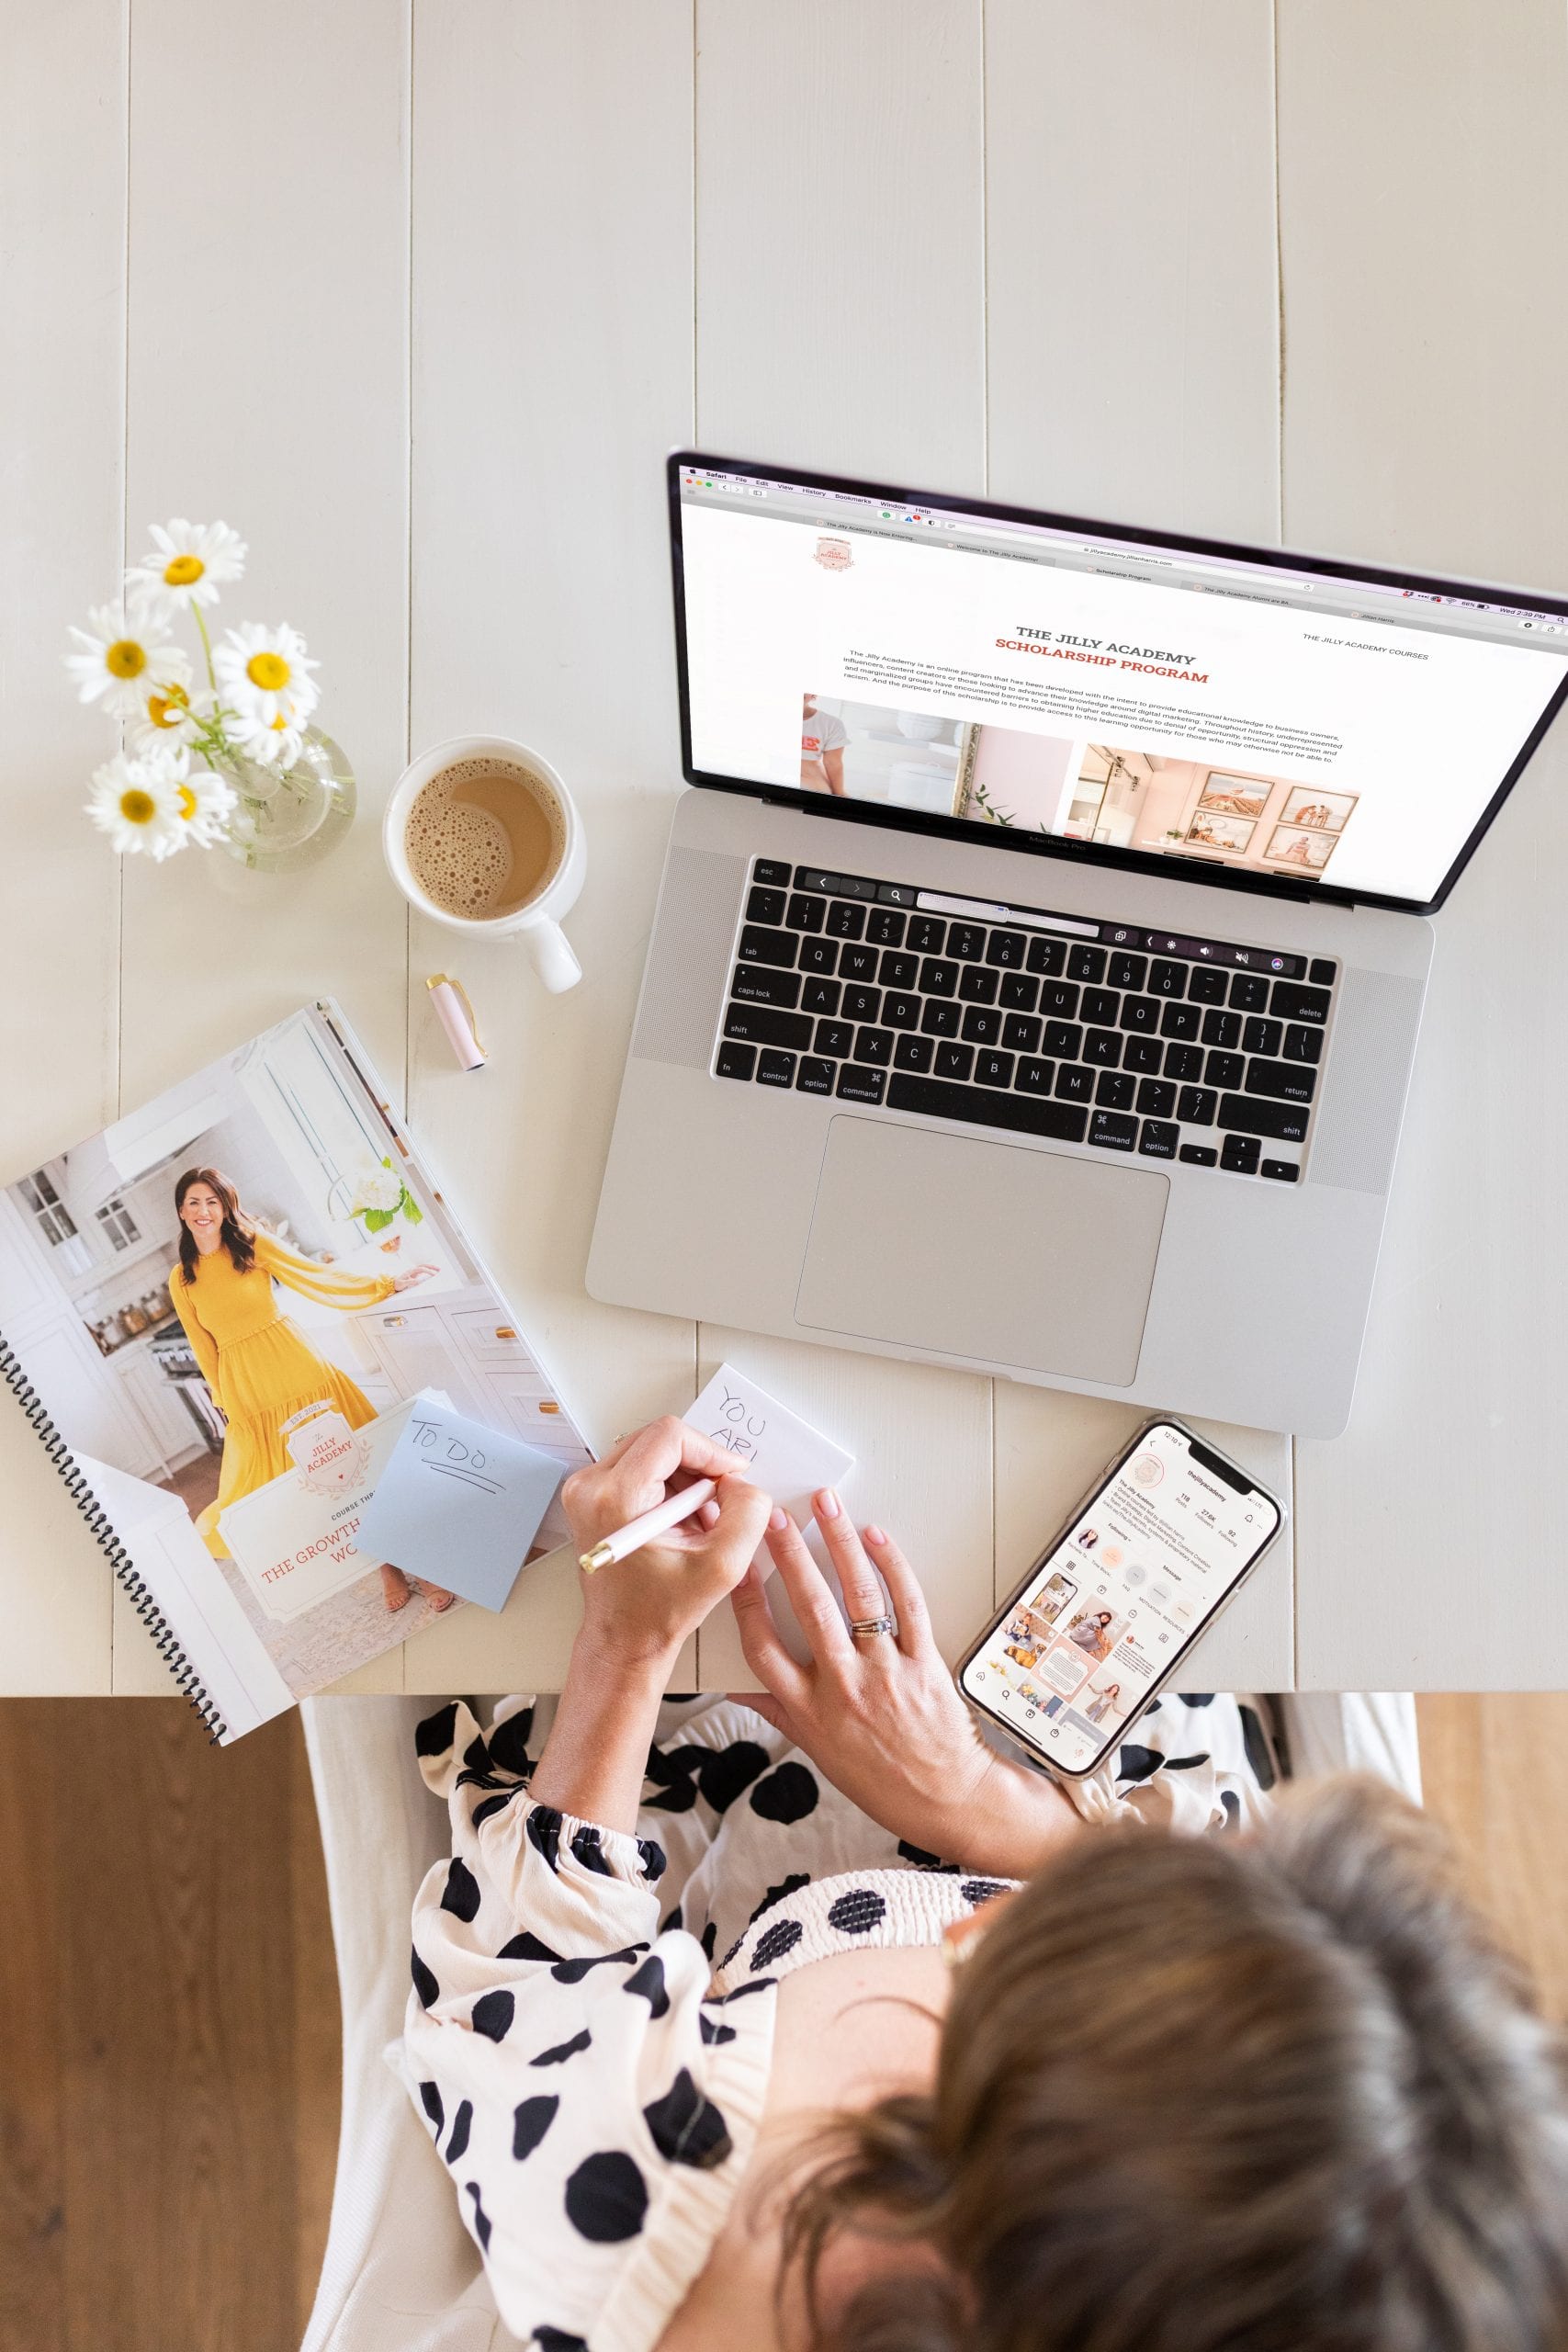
<point>1273,2093</point>
<point>234,1234</point>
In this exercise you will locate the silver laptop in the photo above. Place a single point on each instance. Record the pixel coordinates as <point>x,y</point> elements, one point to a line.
<point>1039,962</point>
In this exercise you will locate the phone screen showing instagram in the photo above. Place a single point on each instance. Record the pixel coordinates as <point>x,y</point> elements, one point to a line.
<point>1108,1613</point>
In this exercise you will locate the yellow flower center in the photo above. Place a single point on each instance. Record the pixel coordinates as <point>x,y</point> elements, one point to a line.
<point>280,725</point>
<point>161,707</point>
<point>183,571</point>
<point>138,808</point>
<point>125,659</point>
<point>270,672</point>
<point>187,802</point>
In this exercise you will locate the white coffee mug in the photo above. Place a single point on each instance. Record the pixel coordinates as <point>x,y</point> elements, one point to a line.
<point>537,923</point>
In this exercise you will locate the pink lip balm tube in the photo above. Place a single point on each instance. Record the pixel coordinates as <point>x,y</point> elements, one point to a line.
<point>455,1015</point>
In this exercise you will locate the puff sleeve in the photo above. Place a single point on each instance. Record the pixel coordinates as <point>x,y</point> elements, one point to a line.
<point>594,2107</point>
<point>325,1285</point>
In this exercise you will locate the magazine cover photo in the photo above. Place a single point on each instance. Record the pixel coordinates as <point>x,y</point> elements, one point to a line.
<point>227,1302</point>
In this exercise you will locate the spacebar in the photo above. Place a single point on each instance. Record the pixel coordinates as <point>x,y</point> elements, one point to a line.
<point>933,1098</point>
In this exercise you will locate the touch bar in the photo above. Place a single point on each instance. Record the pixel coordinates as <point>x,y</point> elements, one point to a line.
<point>833,885</point>
<point>936,902</point>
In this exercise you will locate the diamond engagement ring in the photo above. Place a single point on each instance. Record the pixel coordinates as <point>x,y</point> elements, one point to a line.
<point>864,1629</point>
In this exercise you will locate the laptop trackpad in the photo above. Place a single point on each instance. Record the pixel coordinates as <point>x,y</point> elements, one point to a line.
<point>989,1250</point>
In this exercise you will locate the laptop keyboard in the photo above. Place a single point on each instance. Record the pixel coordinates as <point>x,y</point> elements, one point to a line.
<point>886,995</point>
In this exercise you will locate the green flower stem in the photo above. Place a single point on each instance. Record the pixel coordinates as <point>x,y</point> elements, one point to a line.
<point>207,649</point>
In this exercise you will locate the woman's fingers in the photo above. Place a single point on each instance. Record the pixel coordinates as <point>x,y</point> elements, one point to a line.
<point>671,1445</point>
<point>759,1644</point>
<point>762,1702</point>
<point>811,1598</point>
<point>637,1469</point>
<point>858,1582</point>
<point>903,1591</point>
<point>737,1529</point>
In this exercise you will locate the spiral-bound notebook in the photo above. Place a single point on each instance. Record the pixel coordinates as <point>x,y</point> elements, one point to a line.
<point>216,1313</point>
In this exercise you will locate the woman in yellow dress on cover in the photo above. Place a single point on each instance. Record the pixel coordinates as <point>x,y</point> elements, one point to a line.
<point>259,1366</point>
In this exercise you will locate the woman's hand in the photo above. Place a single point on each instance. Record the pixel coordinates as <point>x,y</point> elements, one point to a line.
<point>882,1716</point>
<point>638,1612</point>
<point>644,1606</point>
<point>412,1275</point>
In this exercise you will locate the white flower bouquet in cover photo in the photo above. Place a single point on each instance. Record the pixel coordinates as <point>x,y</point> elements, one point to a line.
<point>235,763</point>
<point>382,1195</point>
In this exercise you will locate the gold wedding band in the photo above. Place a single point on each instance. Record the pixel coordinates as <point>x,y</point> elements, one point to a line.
<point>864,1629</point>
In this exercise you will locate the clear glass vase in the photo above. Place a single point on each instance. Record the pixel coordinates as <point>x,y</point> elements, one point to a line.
<point>288,818</point>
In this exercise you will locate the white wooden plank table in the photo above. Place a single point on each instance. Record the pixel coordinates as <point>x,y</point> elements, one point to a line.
<point>1421,225</point>
<point>424,326</point>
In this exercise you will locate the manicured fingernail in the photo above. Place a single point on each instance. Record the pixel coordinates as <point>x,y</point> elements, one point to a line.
<point>827,1504</point>
<point>876,1535</point>
<point>778,1519</point>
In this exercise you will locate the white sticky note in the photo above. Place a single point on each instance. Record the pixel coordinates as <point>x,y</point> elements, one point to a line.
<point>782,1454</point>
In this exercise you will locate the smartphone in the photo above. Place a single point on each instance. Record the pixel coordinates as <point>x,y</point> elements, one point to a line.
<point>1111,1607</point>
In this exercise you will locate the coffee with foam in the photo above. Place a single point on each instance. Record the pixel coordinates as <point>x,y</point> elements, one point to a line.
<point>484,837</point>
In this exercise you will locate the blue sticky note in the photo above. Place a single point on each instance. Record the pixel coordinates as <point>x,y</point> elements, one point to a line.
<point>459,1504</point>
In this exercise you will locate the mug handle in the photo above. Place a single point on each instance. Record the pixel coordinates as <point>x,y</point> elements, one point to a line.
<point>553,960</point>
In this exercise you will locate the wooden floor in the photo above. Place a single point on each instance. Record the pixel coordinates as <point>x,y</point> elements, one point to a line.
<point>169,2047</point>
<point>1493,1767</point>
<point>168,2005</point>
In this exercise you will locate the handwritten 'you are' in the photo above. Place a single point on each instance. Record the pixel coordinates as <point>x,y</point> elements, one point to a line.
<point>739,1431</point>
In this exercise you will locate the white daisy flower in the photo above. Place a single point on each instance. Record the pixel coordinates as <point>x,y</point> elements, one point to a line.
<point>275,743</point>
<point>166,716</point>
<point>264,674</point>
<point>207,802</point>
<point>188,564</point>
<point>137,803</point>
<point>120,659</point>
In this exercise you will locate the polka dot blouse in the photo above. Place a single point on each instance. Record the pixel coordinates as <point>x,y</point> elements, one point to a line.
<point>590,2030</point>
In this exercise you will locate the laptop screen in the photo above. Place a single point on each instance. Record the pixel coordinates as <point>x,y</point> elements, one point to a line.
<point>1282,720</point>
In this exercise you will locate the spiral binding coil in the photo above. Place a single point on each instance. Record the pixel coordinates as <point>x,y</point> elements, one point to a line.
<point>136,1587</point>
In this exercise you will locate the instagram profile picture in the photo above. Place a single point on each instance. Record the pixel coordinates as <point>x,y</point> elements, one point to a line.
<point>1147,1470</point>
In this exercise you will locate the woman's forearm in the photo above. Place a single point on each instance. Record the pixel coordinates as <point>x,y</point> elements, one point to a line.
<point>1012,1825</point>
<point>596,1755</point>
